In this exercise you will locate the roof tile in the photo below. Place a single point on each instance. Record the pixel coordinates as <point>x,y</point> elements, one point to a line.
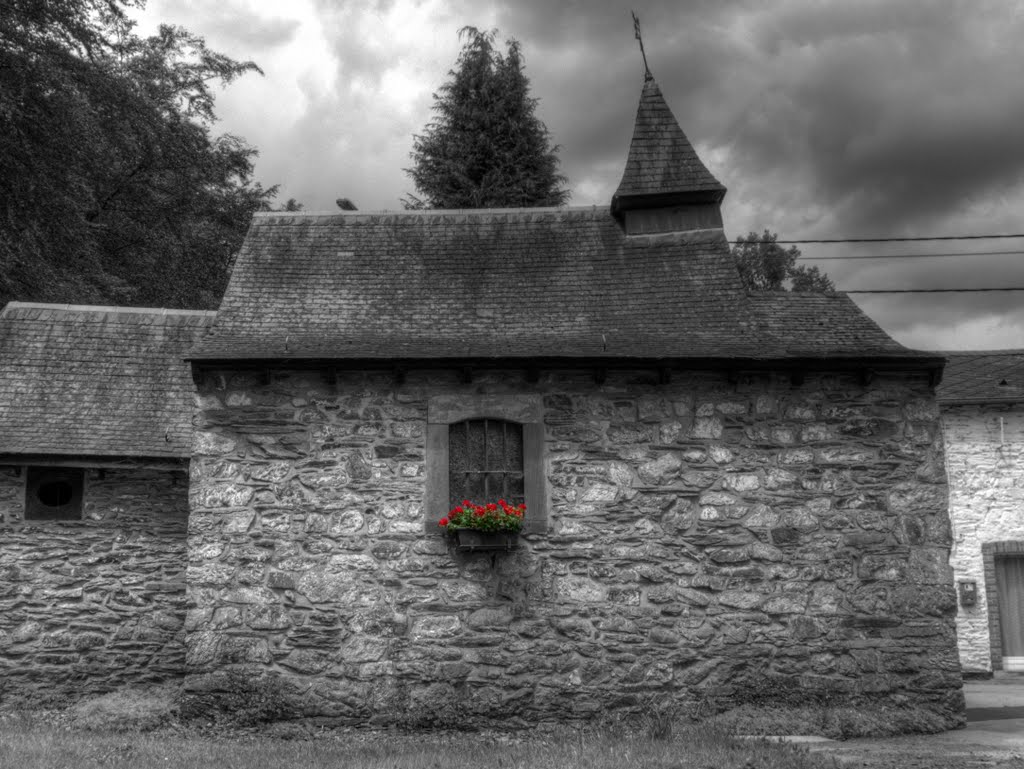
<point>96,381</point>
<point>821,325</point>
<point>983,377</point>
<point>520,283</point>
<point>661,161</point>
<point>442,284</point>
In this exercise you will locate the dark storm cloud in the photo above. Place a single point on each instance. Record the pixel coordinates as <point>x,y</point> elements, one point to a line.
<point>946,321</point>
<point>895,127</point>
<point>586,68</point>
<point>823,119</point>
<point>890,115</point>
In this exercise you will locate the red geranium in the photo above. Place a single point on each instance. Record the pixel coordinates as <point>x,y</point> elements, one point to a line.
<point>500,516</point>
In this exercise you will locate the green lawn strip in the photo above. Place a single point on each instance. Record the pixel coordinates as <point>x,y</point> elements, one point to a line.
<point>837,723</point>
<point>32,746</point>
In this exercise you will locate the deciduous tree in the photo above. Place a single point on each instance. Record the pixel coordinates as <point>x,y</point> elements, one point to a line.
<point>113,188</point>
<point>764,265</point>
<point>486,148</point>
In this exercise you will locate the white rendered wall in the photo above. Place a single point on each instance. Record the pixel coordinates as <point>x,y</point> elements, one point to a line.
<point>985,465</point>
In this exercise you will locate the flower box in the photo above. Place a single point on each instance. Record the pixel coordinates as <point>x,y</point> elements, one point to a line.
<point>491,527</point>
<point>474,540</point>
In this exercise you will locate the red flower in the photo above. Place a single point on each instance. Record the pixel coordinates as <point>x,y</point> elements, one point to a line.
<point>489,516</point>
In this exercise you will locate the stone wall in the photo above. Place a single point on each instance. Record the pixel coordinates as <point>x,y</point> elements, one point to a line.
<point>89,605</point>
<point>985,464</point>
<point>704,537</point>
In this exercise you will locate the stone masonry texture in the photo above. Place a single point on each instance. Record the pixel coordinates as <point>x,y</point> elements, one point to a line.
<point>90,605</point>
<point>984,457</point>
<point>705,536</point>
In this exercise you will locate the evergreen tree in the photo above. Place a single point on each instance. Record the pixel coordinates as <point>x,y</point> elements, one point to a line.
<point>764,265</point>
<point>486,148</point>
<point>113,189</point>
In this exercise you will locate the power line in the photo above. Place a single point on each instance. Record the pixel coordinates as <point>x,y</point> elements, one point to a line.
<point>897,240</point>
<point>911,256</point>
<point>928,290</point>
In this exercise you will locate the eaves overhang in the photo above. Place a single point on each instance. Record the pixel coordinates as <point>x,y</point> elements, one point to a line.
<point>862,365</point>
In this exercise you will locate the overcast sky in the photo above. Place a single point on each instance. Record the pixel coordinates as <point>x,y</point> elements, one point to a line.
<point>824,118</point>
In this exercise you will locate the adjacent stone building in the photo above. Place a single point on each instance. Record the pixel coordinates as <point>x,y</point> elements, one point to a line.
<point>95,428</point>
<point>723,490</point>
<point>982,399</point>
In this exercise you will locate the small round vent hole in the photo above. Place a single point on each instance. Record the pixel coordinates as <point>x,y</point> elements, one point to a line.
<point>55,493</point>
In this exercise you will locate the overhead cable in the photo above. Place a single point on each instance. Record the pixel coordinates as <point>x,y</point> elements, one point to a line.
<point>893,240</point>
<point>910,256</point>
<point>927,290</point>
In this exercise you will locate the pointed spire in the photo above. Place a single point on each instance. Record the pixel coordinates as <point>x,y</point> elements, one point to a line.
<point>663,169</point>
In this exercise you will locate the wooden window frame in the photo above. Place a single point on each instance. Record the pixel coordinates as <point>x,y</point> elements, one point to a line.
<point>526,410</point>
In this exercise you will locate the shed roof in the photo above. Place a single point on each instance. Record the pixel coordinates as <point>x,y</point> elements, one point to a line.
<point>993,376</point>
<point>97,381</point>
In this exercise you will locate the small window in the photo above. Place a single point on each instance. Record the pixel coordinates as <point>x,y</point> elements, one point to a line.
<point>485,461</point>
<point>485,448</point>
<point>53,494</point>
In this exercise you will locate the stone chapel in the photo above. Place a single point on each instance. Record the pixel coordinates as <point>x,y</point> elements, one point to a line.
<point>724,490</point>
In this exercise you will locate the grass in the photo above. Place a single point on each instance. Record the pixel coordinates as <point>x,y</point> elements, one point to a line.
<point>837,723</point>
<point>41,741</point>
<point>241,727</point>
<point>127,709</point>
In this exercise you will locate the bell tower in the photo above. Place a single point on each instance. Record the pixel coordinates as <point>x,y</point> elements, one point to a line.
<point>665,187</point>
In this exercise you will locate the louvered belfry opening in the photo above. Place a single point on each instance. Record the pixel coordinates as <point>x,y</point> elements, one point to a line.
<point>485,461</point>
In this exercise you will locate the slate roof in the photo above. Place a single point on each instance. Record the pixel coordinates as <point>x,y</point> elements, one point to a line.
<point>542,283</point>
<point>519,283</point>
<point>823,325</point>
<point>662,163</point>
<point>995,376</point>
<point>486,283</point>
<point>97,381</point>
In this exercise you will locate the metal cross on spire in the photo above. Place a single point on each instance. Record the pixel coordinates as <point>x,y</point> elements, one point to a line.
<point>636,31</point>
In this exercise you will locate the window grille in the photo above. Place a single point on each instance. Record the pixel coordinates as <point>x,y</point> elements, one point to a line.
<point>485,461</point>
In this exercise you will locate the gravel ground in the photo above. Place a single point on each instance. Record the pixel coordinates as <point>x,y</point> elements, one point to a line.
<point>925,752</point>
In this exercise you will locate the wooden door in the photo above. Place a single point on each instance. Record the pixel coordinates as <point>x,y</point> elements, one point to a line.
<point>1010,589</point>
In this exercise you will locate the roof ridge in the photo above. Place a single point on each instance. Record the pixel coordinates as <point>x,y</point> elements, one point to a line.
<point>97,308</point>
<point>427,213</point>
